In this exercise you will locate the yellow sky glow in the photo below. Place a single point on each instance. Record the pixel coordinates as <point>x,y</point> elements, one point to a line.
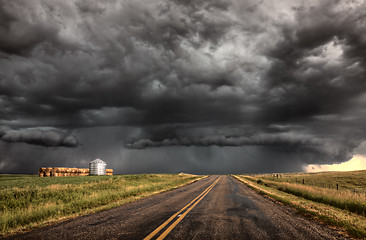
<point>358,162</point>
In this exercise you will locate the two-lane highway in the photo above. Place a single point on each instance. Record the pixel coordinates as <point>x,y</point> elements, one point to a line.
<point>180,214</point>
<point>218,207</point>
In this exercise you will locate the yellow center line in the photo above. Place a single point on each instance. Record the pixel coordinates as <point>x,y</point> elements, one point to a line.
<point>171,227</point>
<point>153,233</point>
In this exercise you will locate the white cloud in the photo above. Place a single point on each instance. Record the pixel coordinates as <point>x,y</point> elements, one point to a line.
<point>358,162</point>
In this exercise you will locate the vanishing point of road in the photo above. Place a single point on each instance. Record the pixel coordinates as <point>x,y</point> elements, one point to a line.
<point>217,207</point>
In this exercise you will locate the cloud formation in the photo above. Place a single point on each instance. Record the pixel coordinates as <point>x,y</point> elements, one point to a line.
<point>282,75</point>
<point>42,137</point>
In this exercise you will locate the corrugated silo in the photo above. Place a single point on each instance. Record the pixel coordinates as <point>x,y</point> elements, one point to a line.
<point>97,167</point>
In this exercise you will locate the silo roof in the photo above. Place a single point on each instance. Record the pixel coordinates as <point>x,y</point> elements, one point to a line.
<point>98,161</point>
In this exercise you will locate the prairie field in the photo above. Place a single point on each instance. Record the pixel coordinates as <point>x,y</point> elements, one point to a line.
<point>318,194</point>
<point>322,187</point>
<point>28,201</point>
<point>354,181</point>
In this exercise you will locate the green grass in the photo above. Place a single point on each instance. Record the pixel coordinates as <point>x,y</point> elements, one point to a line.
<point>28,201</point>
<point>21,181</point>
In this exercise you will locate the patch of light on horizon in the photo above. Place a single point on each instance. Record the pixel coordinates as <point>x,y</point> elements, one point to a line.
<point>358,162</point>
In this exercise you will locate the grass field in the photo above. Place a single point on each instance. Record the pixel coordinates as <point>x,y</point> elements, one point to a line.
<point>27,201</point>
<point>319,196</point>
<point>354,181</point>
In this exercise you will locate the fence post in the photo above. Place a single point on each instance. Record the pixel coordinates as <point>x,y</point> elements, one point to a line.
<point>303,181</point>
<point>337,186</point>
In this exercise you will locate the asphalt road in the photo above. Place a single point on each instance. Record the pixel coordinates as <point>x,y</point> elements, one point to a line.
<point>218,207</point>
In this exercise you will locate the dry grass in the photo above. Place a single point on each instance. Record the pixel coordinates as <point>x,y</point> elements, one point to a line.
<point>321,187</point>
<point>353,181</point>
<point>353,202</point>
<point>297,195</point>
<point>33,205</point>
<point>187,174</point>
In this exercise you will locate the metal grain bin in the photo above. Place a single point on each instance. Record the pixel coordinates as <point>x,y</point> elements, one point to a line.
<point>97,167</point>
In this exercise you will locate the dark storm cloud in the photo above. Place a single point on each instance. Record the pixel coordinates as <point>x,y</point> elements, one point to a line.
<point>328,148</point>
<point>319,65</point>
<point>42,137</point>
<point>283,76</point>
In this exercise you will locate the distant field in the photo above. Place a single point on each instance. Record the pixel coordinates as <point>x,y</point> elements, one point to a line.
<point>354,181</point>
<point>28,201</point>
<point>313,192</point>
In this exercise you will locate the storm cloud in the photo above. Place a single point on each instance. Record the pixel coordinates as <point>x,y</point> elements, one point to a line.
<point>284,79</point>
<point>42,137</point>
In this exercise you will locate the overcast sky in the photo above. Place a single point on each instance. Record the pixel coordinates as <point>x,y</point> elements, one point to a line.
<point>216,86</point>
